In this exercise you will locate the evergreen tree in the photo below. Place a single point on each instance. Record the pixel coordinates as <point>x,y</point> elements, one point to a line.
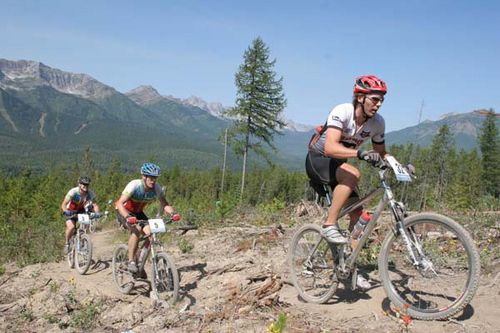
<point>441,153</point>
<point>490,149</point>
<point>259,103</point>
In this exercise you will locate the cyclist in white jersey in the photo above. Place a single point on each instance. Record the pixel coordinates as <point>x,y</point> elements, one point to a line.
<point>347,127</point>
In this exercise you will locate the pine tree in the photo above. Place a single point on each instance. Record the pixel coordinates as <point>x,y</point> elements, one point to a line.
<point>259,103</point>
<point>441,153</point>
<point>490,149</point>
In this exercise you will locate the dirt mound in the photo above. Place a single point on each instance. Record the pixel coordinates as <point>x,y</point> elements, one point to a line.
<point>233,279</point>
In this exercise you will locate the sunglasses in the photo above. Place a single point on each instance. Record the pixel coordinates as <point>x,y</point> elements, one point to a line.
<point>375,99</point>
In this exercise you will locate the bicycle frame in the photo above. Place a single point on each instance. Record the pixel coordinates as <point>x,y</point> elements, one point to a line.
<point>153,244</point>
<point>387,198</point>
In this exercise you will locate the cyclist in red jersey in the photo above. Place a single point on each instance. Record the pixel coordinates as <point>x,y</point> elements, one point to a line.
<point>135,197</point>
<point>74,202</point>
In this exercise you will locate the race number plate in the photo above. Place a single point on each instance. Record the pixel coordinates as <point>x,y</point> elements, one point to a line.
<point>156,225</point>
<point>400,172</point>
<point>84,218</point>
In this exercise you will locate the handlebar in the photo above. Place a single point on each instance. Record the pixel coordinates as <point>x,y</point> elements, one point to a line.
<point>91,215</point>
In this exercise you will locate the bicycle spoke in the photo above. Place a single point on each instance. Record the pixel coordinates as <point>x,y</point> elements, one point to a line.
<point>312,266</point>
<point>442,282</point>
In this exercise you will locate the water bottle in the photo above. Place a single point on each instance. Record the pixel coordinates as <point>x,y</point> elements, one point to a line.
<point>359,227</point>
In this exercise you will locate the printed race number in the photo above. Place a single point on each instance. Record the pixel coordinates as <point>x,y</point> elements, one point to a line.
<point>156,225</point>
<point>400,172</point>
<point>84,218</point>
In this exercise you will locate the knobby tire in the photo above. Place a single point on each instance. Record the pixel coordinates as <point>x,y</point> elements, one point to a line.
<point>315,280</point>
<point>83,256</point>
<point>165,278</point>
<point>446,280</point>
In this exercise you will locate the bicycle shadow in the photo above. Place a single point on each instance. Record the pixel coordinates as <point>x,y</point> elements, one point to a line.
<point>344,293</point>
<point>466,314</point>
<point>98,266</point>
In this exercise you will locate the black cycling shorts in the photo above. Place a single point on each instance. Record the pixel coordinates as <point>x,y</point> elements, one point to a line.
<point>321,169</point>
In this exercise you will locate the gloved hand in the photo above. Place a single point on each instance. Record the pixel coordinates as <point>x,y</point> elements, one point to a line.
<point>97,215</point>
<point>176,217</point>
<point>68,213</point>
<point>131,220</point>
<point>371,157</point>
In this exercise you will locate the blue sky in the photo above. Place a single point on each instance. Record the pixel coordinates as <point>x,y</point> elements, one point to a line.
<point>445,53</point>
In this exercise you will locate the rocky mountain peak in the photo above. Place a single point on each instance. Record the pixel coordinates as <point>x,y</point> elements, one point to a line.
<point>214,108</point>
<point>25,74</point>
<point>144,94</point>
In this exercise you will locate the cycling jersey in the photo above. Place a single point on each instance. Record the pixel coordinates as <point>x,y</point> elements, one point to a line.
<point>76,202</point>
<point>342,117</point>
<point>138,196</point>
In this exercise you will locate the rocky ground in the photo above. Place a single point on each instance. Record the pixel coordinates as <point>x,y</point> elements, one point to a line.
<point>233,279</point>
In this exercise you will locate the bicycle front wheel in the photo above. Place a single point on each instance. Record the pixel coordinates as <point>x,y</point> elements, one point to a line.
<point>447,272</point>
<point>123,279</point>
<point>83,254</point>
<point>71,254</point>
<point>165,278</point>
<point>311,263</point>
<point>93,226</point>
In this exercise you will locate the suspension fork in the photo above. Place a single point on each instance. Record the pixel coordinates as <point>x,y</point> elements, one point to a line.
<point>400,225</point>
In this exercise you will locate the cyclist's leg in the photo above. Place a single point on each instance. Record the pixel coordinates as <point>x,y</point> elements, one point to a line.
<point>135,233</point>
<point>133,240</point>
<point>70,229</point>
<point>325,170</point>
<point>347,177</point>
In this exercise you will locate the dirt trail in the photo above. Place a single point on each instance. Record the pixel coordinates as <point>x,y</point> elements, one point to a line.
<point>233,280</point>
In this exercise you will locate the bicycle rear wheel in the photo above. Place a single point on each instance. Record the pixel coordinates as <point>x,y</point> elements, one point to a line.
<point>165,278</point>
<point>123,279</point>
<point>83,255</point>
<point>311,263</point>
<point>447,274</point>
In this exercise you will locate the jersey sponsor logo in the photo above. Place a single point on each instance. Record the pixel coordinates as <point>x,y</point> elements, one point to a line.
<point>364,134</point>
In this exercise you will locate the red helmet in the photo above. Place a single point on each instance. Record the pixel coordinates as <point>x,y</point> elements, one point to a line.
<point>369,84</point>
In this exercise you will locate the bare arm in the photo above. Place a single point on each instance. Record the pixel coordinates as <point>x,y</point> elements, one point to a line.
<point>96,207</point>
<point>164,206</point>
<point>334,148</point>
<point>64,204</point>
<point>380,148</point>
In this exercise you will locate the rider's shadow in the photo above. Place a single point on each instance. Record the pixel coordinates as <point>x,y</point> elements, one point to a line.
<point>98,266</point>
<point>193,284</point>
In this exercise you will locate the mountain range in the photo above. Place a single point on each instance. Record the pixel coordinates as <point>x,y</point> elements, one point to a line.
<point>49,116</point>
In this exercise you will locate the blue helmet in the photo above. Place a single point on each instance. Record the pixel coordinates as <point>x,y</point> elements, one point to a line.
<point>150,169</point>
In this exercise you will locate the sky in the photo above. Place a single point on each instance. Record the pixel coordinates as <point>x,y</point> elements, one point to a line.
<point>436,56</point>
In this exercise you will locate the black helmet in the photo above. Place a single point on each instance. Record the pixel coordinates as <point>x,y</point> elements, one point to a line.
<point>84,180</point>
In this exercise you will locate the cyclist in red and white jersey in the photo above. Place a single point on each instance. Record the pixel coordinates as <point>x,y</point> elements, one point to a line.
<point>348,126</point>
<point>74,203</point>
<point>135,197</point>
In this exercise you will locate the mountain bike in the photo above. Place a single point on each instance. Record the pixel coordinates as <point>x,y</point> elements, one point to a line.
<point>164,274</point>
<point>427,262</point>
<point>80,244</point>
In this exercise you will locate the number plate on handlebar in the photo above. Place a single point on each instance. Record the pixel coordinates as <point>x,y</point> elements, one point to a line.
<point>400,172</point>
<point>84,218</point>
<point>156,225</point>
